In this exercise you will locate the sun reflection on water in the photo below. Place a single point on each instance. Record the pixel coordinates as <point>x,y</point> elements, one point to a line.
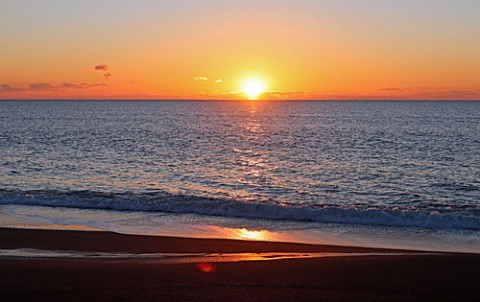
<point>252,235</point>
<point>246,234</point>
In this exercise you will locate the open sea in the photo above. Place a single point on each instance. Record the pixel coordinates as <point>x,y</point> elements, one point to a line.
<point>373,173</point>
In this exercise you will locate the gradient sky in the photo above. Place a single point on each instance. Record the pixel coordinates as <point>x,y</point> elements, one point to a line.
<point>179,49</point>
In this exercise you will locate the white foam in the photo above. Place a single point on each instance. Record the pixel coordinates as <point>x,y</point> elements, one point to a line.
<point>381,216</point>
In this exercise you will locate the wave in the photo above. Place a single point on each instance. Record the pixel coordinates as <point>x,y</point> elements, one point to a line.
<point>166,202</point>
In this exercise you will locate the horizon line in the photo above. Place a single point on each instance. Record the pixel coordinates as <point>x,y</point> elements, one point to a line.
<point>252,101</point>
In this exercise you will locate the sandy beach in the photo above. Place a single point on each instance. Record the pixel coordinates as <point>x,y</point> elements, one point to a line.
<point>391,276</point>
<point>273,150</point>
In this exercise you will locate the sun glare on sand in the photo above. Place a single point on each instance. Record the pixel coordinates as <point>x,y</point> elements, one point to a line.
<point>253,89</point>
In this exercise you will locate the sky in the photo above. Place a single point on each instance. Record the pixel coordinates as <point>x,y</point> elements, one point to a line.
<point>209,49</point>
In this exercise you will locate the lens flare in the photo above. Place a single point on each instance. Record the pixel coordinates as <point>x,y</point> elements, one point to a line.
<point>206,267</point>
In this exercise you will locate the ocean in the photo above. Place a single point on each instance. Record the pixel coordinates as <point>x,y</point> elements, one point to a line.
<point>402,174</point>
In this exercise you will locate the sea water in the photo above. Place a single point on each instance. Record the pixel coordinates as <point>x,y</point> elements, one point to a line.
<point>384,173</point>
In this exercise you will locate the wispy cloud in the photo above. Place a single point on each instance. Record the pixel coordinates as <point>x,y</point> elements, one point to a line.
<point>200,78</point>
<point>41,86</point>
<point>73,85</point>
<point>6,88</point>
<point>80,86</point>
<point>104,69</point>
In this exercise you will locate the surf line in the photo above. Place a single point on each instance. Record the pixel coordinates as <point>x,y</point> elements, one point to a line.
<point>38,254</point>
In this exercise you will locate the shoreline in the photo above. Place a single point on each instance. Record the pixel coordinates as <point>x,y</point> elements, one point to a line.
<point>180,225</point>
<point>104,241</point>
<point>410,276</point>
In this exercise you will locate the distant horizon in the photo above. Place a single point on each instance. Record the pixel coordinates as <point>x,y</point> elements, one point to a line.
<point>256,101</point>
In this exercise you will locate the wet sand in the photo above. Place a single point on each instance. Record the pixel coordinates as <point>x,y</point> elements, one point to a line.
<point>393,276</point>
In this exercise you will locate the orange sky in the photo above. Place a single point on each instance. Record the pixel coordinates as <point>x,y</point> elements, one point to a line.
<point>166,49</point>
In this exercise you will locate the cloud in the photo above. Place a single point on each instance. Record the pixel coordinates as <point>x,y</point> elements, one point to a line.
<point>200,78</point>
<point>41,86</point>
<point>73,85</point>
<point>79,86</point>
<point>102,67</point>
<point>219,81</point>
<point>6,88</point>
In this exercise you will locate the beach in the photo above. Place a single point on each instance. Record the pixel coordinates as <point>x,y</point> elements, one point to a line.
<point>367,275</point>
<point>275,150</point>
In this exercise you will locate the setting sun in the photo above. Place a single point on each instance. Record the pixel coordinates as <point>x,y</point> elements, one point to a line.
<point>253,88</point>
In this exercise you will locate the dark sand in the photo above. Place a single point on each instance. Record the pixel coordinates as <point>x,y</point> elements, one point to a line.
<point>408,277</point>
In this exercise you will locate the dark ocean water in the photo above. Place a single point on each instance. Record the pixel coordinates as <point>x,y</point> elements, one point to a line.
<point>408,164</point>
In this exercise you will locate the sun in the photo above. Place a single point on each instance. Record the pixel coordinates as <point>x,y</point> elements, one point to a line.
<point>253,88</point>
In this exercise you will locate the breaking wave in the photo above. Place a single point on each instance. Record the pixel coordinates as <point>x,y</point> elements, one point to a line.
<point>467,218</point>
